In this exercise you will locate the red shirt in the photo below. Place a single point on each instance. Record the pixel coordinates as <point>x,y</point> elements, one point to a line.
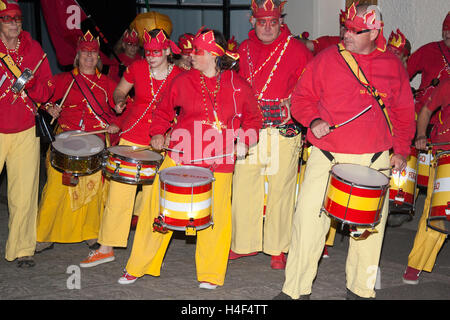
<point>19,116</point>
<point>441,99</point>
<point>329,90</point>
<point>147,91</point>
<point>194,132</point>
<point>429,60</point>
<point>75,115</point>
<point>324,42</point>
<point>256,68</point>
<point>126,61</point>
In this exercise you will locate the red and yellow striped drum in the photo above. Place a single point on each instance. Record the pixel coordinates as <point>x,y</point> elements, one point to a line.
<point>403,184</point>
<point>186,197</point>
<point>125,164</point>
<point>355,194</point>
<point>439,216</point>
<point>423,173</point>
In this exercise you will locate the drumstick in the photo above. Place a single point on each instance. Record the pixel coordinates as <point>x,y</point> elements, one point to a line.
<point>351,119</point>
<point>216,157</point>
<point>147,148</point>
<point>64,98</point>
<point>438,144</point>
<point>88,133</point>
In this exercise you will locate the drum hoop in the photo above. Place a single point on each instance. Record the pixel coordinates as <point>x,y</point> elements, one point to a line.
<point>443,153</point>
<point>127,180</point>
<point>185,184</point>
<point>353,223</point>
<point>136,161</point>
<point>79,157</point>
<point>72,157</point>
<point>361,186</point>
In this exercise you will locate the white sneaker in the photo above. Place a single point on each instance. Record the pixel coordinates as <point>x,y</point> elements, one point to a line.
<point>127,278</point>
<point>207,285</point>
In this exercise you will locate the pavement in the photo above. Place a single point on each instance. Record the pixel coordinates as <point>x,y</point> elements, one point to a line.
<point>57,275</point>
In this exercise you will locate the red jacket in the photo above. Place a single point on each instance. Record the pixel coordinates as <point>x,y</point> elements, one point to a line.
<point>254,53</point>
<point>113,72</point>
<point>441,99</point>
<point>429,60</point>
<point>329,90</point>
<point>324,42</point>
<point>75,115</point>
<point>19,116</point>
<point>138,74</point>
<point>193,130</point>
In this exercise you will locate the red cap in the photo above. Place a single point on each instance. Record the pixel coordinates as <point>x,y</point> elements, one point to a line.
<point>446,24</point>
<point>185,43</point>
<point>160,42</point>
<point>397,42</point>
<point>207,41</point>
<point>268,9</point>
<point>131,37</point>
<point>9,7</point>
<point>88,43</point>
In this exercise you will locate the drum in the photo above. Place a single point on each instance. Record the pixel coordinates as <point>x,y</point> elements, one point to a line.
<point>186,197</point>
<point>403,185</point>
<point>355,194</point>
<point>439,216</point>
<point>423,174</point>
<point>77,156</point>
<point>125,164</point>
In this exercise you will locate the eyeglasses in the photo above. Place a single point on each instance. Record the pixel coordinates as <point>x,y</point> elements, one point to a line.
<point>351,30</point>
<point>9,19</point>
<point>263,22</point>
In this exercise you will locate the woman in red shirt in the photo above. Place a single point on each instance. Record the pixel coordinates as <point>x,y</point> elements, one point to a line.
<point>216,106</point>
<point>150,78</point>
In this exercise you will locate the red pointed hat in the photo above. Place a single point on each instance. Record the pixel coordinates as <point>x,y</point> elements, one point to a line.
<point>10,8</point>
<point>88,43</point>
<point>185,43</point>
<point>207,41</point>
<point>446,24</point>
<point>131,37</point>
<point>160,42</point>
<point>397,42</point>
<point>232,45</point>
<point>268,9</point>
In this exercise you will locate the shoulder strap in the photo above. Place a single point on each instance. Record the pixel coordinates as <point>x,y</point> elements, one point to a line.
<point>445,53</point>
<point>359,75</point>
<point>10,64</point>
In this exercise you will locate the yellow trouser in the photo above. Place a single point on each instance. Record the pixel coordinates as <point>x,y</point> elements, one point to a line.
<point>427,242</point>
<point>213,243</point>
<point>277,158</point>
<point>69,214</point>
<point>20,152</point>
<point>115,226</point>
<point>310,229</point>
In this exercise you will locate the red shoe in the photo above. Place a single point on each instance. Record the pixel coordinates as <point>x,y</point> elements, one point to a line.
<point>411,276</point>
<point>325,253</point>
<point>278,262</point>
<point>233,255</point>
<point>134,222</point>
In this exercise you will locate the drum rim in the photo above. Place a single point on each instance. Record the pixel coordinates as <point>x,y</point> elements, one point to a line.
<point>353,223</point>
<point>76,158</point>
<point>79,157</point>
<point>176,228</point>
<point>131,160</point>
<point>382,187</point>
<point>429,219</point>
<point>127,180</point>
<point>187,185</point>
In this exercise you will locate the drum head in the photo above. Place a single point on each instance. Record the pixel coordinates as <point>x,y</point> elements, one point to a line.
<point>360,175</point>
<point>82,146</point>
<point>141,155</point>
<point>186,176</point>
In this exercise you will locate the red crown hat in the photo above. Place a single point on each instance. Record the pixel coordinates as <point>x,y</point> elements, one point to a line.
<point>368,21</point>
<point>88,43</point>
<point>9,7</point>
<point>185,43</point>
<point>446,24</point>
<point>207,41</point>
<point>131,37</point>
<point>268,9</point>
<point>232,45</point>
<point>397,42</point>
<point>160,42</point>
<point>342,17</point>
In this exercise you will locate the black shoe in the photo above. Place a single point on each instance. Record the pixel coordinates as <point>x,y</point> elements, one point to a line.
<point>284,296</point>
<point>397,219</point>
<point>43,246</point>
<point>353,296</point>
<point>25,262</point>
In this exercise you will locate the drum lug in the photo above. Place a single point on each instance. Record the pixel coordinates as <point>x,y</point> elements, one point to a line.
<point>447,210</point>
<point>117,168</point>
<point>400,197</point>
<point>69,179</point>
<point>190,228</point>
<point>158,225</point>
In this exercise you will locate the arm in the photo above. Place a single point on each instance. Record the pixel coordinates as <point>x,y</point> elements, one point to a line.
<point>422,123</point>
<point>120,94</point>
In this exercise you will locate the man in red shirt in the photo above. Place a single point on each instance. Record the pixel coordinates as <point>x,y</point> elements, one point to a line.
<point>271,60</point>
<point>19,146</point>
<point>433,62</point>
<point>428,242</point>
<point>329,93</point>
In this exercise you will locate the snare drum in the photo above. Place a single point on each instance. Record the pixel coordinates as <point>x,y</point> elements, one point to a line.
<point>439,216</point>
<point>186,198</point>
<point>355,194</point>
<point>423,174</point>
<point>403,184</point>
<point>78,156</point>
<point>125,164</point>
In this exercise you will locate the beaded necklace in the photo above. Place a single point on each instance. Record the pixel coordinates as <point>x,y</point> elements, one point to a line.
<point>269,79</point>
<point>155,95</point>
<point>250,63</point>
<point>217,124</point>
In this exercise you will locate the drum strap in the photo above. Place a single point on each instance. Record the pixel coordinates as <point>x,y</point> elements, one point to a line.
<point>362,79</point>
<point>330,157</point>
